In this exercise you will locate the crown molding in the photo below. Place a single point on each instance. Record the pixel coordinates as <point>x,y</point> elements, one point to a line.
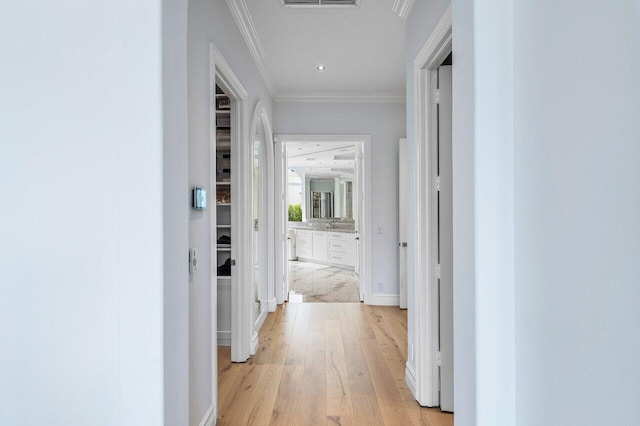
<point>341,97</point>
<point>402,8</point>
<point>245,24</point>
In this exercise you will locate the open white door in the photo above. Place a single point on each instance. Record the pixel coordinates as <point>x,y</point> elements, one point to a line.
<point>285,222</point>
<point>402,220</point>
<point>359,214</point>
<point>445,246</point>
<point>281,223</point>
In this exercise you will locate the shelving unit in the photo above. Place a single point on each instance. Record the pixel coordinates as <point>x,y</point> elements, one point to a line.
<point>223,215</point>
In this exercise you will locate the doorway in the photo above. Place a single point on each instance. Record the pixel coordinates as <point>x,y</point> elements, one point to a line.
<point>323,179</point>
<point>322,227</point>
<point>430,376</point>
<point>444,223</point>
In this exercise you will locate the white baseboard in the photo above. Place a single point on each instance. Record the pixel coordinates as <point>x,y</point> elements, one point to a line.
<point>209,417</point>
<point>224,338</point>
<point>410,379</point>
<point>384,300</point>
<point>272,305</point>
<point>254,343</point>
<point>261,318</point>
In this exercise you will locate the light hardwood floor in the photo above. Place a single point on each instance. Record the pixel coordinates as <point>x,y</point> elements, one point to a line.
<point>324,364</point>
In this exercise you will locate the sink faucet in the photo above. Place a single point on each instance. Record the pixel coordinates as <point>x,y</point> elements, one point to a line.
<point>329,225</point>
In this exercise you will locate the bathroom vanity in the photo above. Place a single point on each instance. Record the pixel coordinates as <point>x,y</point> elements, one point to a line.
<point>331,246</point>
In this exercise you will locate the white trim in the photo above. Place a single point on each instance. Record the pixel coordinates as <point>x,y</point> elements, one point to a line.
<point>226,74</point>
<point>209,418</point>
<point>261,318</point>
<point>437,43</point>
<point>425,314</point>
<point>243,19</point>
<point>266,209</point>
<point>410,377</point>
<point>384,300</point>
<point>365,228</point>
<point>272,304</point>
<point>341,97</point>
<point>402,8</point>
<point>241,326</point>
<point>215,60</point>
<point>254,340</point>
<point>224,339</point>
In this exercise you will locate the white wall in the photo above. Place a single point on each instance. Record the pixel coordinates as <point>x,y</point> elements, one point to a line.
<point>209,21</point>
<point>464,291</point>
<point>386,124</point>
<point>81,242</point>
<point>569,306</point>
<point>493,209</point>
<point>176,210</point>
<point>577,211</point>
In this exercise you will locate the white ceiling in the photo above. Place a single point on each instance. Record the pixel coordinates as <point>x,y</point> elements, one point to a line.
<point>362,48</point>
<point>322,159</point>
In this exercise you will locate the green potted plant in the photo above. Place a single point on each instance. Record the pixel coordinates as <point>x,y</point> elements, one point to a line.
<point>295,213</point>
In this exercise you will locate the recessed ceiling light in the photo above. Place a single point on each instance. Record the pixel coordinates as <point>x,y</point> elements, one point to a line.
<point>320,67</point>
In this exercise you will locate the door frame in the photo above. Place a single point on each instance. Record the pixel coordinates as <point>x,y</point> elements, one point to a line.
<point>280,212</point>
<point>266,241</point>
<point>424,381</point>
<point>241,324</point>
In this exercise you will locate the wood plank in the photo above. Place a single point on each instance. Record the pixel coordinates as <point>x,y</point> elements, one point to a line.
<point>272,348</point>
<point>297,349</point>
<point>389,399</point>
<point>264,396</point>
<point>285,410</point>
<point>364,402</point>
<point>242,390</point>
<point>312,396</point>
<point>338,395</point>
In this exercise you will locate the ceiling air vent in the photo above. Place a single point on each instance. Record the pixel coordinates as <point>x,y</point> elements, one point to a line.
<point>321,3</point>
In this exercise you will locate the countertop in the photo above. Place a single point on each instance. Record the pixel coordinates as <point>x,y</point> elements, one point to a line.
<point>322,227</point>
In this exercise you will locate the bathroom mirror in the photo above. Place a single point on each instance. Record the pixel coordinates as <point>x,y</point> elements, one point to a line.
<point>329,198</point>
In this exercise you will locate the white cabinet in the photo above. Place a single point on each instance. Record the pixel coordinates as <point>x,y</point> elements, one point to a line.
<point>304,246</point>
<point>320,246</point>
<point>342,249</point>
<point>338,248</point>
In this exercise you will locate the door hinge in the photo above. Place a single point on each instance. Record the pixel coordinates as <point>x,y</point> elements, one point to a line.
<point>233,262</point>
<point>436,97</point>
<point>438,359</point>
<point>437,183</point>
<point>438,273</point>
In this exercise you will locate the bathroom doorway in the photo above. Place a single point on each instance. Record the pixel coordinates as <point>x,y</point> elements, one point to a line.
<point>323,219</point>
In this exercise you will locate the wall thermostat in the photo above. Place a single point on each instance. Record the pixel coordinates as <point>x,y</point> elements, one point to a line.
<point>199,198</point>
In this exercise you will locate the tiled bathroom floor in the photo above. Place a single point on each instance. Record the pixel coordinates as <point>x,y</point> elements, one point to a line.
<point>322,283</point>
